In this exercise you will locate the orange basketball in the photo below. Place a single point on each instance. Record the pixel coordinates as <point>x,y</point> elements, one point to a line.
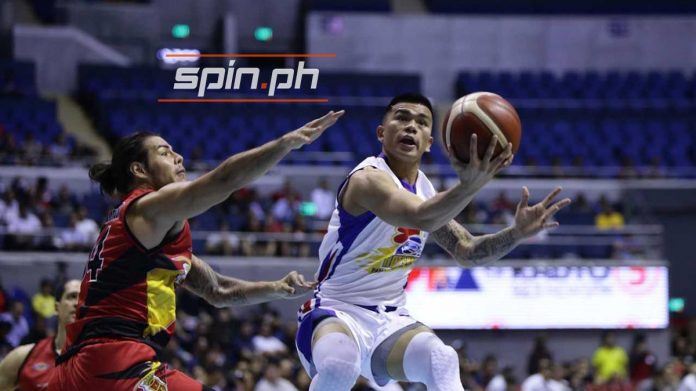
<point>485,114</point>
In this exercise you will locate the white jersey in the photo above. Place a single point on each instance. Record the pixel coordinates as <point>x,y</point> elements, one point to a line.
<point>365,260</point>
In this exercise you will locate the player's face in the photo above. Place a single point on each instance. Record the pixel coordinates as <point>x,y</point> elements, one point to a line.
<point>67,305</point>
<point>164,165</point>
<point>406,132</point>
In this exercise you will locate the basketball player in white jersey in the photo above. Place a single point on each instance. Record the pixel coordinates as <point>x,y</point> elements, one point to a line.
<point>356,323</point>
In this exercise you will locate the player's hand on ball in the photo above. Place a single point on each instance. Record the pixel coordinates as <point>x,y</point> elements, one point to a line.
<point>293,285</point>
<point>311,130</point>
<point>477,172</point>
<point>529,220</point>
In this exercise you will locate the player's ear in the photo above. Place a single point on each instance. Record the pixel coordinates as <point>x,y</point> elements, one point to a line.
<point>380,133</point>
<point>138,170</point>
<point>430,144</point>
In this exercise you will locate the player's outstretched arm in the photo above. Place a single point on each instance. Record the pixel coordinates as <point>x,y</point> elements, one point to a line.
<point>9,366</point>
<point>373,190</point>
<point>182,200</point>
<point>223,291</point>
<point>469,250</point>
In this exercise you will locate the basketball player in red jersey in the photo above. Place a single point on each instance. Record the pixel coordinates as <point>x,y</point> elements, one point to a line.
<point>29,367</point>
<point>126,309</point>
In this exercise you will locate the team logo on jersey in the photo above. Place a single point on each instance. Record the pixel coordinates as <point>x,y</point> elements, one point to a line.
<point>406,248</point>
<point>409,241</point>
<point>151,382</point>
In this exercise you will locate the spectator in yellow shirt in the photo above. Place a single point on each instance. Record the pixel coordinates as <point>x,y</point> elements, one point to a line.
<point>43,301</point>
<point>609,360</point>
<point>609,218</point>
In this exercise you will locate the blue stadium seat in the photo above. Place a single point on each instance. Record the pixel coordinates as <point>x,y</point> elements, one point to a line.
<point>606,121</point>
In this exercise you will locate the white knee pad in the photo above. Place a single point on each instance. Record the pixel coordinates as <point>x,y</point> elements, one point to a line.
<point>337,360</point>
<point>428,360</point>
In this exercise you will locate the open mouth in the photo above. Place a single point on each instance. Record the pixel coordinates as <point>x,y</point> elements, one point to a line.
<point>408,140</point>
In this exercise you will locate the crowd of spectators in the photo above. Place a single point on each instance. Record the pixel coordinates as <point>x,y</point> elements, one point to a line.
<point>29,151</point>
<point>30,213</point>
<point>281,223</point>
<point>252,349</point>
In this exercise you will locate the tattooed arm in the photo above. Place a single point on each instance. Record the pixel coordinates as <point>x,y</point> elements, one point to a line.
<point>469,250</point>
<point>222,291</point>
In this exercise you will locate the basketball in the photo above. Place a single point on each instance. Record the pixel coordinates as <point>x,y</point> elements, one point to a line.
<point>485,114</point>
<point>327,179</point>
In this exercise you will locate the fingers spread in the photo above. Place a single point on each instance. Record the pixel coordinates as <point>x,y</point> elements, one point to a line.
<point>473,149</point>
<point>503,159</point>
<point>491,148</point>
<point>551,225</point>
<point>524,200</point>
<point>549,198</point>
<point>556,207</point>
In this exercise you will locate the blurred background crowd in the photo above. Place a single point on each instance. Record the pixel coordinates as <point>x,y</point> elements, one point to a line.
<point>253,350</point>
<point>606,92</point>
<point>34,217</point>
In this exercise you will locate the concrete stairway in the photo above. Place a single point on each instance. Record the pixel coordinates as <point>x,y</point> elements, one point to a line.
<point>76,122</point>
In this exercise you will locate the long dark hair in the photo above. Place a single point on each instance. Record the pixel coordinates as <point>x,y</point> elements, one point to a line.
<point>115,177</point>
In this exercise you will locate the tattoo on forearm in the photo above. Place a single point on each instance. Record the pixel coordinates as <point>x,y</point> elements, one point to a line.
<point>488,248</point>
<point>453,238</point>
<point>446,238</point>
<point>216,289</point>
<point>234,294</point>
<point>202,279</point>
<point>474,251</point>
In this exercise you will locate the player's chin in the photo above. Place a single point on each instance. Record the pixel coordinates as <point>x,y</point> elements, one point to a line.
<point>410,155</point>
<point>404,150</point>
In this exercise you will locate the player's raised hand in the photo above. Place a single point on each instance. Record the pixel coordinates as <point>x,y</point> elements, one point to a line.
<point>529,220</point>
<point>294,285</point>
<point>311,130</point>
<point>477,172</point>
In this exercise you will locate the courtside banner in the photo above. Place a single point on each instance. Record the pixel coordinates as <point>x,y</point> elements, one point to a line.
<point>546,297</point>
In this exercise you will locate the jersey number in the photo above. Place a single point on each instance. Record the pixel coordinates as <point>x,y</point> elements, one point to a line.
<point>95,257</point>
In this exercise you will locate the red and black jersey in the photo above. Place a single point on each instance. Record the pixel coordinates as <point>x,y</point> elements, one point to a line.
<point>127,290</point>
<point>38,366</point>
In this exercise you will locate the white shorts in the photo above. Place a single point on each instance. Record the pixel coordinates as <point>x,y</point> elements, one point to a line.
<point>370,327</point>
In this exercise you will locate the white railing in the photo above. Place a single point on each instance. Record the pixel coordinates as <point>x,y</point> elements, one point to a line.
<point>647,238</point>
